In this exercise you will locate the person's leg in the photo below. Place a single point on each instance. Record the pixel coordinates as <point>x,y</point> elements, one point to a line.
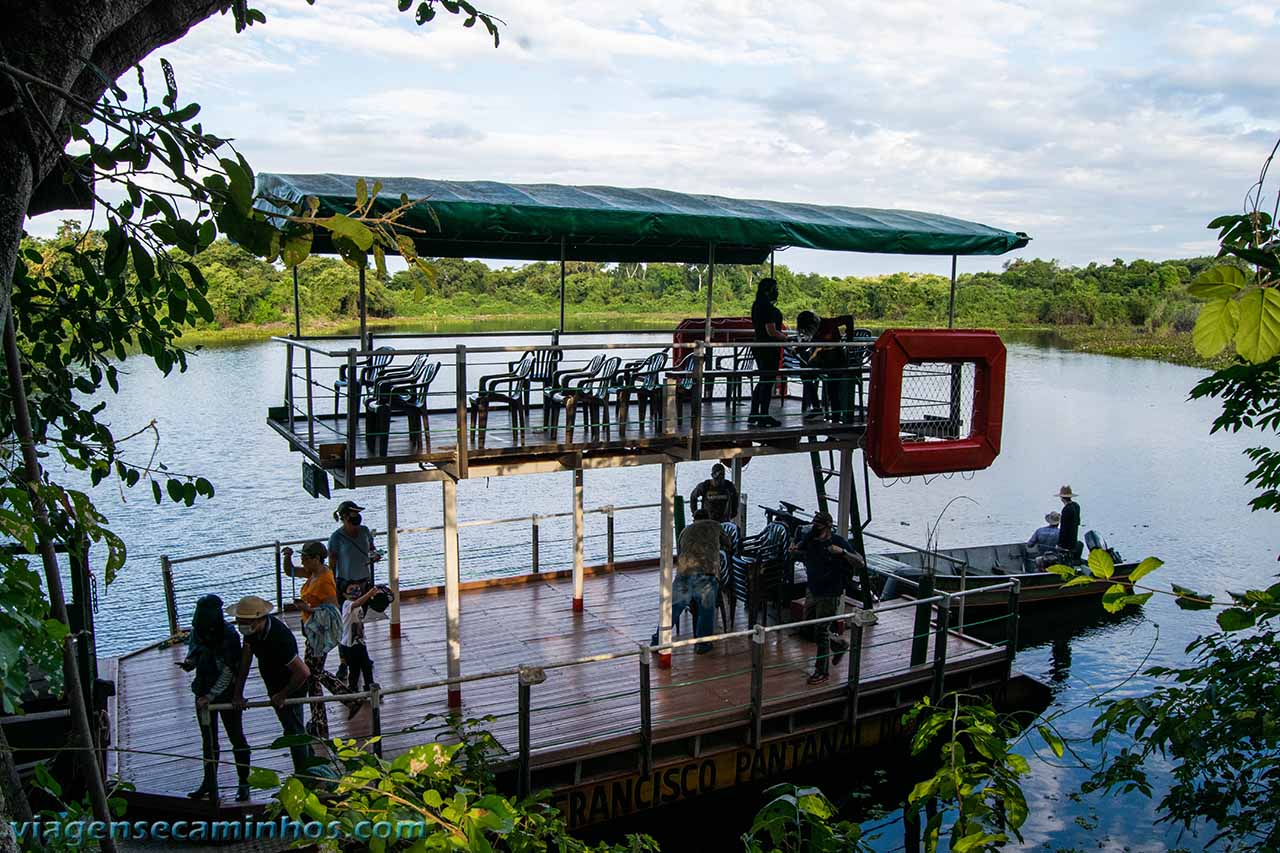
<point>366,664</point>
<point>319,723</point>
<point>353,674</point>
<point>681,598</point>
<point>233,722</point>
<point>822,606</point>
<point>290,717</point>
<point>704,591</point>
<point>209,752</point>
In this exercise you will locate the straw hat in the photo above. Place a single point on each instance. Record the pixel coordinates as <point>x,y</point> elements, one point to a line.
<point>1053,517</point>
<point>249,607</point>
<point>1065,492</point>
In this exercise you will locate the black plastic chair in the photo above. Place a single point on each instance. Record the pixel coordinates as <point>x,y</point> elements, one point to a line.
<point>503,389</point>
<point>561,381</point>
<point>644,382</point>
<point>368,375</point>
<point>758,573</point>
<point>413,400</point>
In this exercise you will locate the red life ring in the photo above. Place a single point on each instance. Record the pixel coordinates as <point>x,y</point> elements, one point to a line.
<point>887,453</point>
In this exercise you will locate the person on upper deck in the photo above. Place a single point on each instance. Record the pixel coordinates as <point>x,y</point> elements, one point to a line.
<point>767,322</point>
<point>827,560</point>
<point>283,672</point>
<point>717,496</point>
<point>213,653</point>
<point>1046,538</point>
<point>1069,526</point>
<point>834,360</point>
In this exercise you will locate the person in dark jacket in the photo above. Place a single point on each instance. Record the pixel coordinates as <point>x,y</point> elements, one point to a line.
<point>1069,526</point>
<point>213,654</point>
<point>827,560</point>
<point>766,320</point>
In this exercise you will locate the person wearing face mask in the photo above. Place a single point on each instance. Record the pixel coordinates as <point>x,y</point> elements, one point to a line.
<point>717,496</point>
<point>833,360</point>
<point>283,672</point>
<point>213,654</point>
<point>767,322</point>
<point>351,549</point>
<point>353,645</point>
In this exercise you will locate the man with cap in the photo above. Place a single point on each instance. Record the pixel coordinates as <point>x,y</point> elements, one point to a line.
<point>717,496</point>
<point>351,550</point>
<point>283,672</point>
<point>1069,526</point>
<point>1046,538</point>
<point>827,559</point>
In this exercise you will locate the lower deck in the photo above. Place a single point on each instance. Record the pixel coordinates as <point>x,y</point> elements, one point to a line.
<point>581,713</point>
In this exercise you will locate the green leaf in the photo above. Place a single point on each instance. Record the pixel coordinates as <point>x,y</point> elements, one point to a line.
<point>240,184</point>
<point>1146,567</point>
<point>1189,599</point>
<point>1101,564</point>
<point>155,490</point>
<point>1079,580</point>
<point>362,193</point>
<point>1113,600</point>
<point>261,777</point>
<point>1052,740</point>
<point>1138,600</point>
<point>1258,336</point>
<point>1064,572</point>
<point>175,490</point>
<point>1018,764</point>
<point>292,797</point>
<point>1236,619</point>
<point>432,798</point>
<point>1215,326</point>
<point>296,248</point>
<point>344,226</point>
<point>1218,282</point>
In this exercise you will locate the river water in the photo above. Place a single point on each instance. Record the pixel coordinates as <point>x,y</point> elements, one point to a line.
<point>1122,432</point>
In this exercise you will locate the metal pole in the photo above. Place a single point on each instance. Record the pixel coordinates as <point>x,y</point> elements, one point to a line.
<point>393,555</point>
<point>669,404</point>
<point>964,576</point>
<point>460,394</point>
<point>353,404</point>
<point>609,538</point>
<point>375,708</point>
<point>695,405</point>
<point>951,304</point>
<point>311,420</point>
<point>711,279</point>
<point>578,574</point>
<point>288,385</point>
<point>666,546</point>
<point>646,718</point>
<point>858,542</point>
<point>523,771</point>
<point>819,488</point>
<point>920,631</point>
<point>452,597</point>
<point>1011,628</point>
<point>279,579</point>
<point>845,493</point>
<point>297,307</point>
<point>757,681</point>
<point>170,604</point>
<point>771,263</point>
<point>561,327</point>
<point>855,670</point>
<point>364,312</point>
<point>940,647</point>
<point>740,517</point>
<point>535,544</point>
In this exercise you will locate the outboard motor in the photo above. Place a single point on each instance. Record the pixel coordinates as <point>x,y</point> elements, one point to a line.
<point>1094,542</point>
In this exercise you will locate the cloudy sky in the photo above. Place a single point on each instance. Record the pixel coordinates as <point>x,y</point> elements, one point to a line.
<point>1111,129</point>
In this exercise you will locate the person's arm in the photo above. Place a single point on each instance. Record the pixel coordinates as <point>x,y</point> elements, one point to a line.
<point>364,599</point>
<point>246,656</point>
<point>288,567</point>
<point>696,495</point>
<point>1034,540</point>
<point>846,320</point>
<point>733,500</point>
<point>771,329</point>
<point>374,554</point>
<point>298,675</point>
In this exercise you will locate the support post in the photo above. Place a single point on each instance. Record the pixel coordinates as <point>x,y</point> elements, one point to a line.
<point>845,493</point>
<point>666,540</point>
<point>646,717</point>
<point>279,578</point>
<point>561,326</point>
<point>819,486</point>
<point>297,307</point>
<point>375,709</point>
<point>940,647</point>
<point>741,515</point>
<point>920,630</point>
<point>711,278</point>
<point>854,683</point>
<point>951,303</point>
<point>393,555</point>
<point>696,396</point>
<point>311,411</point>
<point>170,601</point>
<point>288,385</point>
<point>524,701</point>
<point>757,682</point>
<point>535,544</point>
<point>669,404</point>
<point>578,572</point>
<point>1011,627</point>
<point>608,538</point>
<point>364,312</point>
<point>452,597</point>
<point>353,404</point>
<point>460,395</point>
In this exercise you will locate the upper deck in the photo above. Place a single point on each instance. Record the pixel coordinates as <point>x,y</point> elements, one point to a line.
<point>572,401</point>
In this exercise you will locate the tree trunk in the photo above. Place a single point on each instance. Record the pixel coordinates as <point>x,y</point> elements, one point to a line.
<point>13,799</point>
<point>82,737</point>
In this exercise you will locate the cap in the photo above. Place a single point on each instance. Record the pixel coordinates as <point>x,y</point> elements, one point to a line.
<point>315,549</point>
<point>349,506</point>
<point>823,519</point>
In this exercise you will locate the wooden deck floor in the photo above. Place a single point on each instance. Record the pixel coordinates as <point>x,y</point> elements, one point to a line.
<point>721,423</point>
<point>587,709</point>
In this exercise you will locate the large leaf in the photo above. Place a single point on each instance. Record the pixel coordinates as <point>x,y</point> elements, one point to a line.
<point>1146,567</point>
<point>1216,326</point>
<point>344,226</point>
<point>1258,335</point>
<point>1189,599</point>
<point>1055,743</point>
<point>1218,282</point>
<point>1235,619</point>
<point>1113,600</point>
<point>1101,564</point>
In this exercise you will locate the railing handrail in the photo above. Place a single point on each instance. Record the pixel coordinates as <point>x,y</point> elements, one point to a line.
<point>591,347</point>
<point>915,548</point>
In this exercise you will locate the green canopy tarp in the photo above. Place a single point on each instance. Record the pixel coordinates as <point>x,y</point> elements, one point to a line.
<point>486,219</point>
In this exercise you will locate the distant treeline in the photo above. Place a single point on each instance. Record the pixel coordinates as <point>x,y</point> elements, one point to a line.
<point>245,290</point>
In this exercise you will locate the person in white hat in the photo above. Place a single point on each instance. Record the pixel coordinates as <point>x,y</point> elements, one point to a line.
<point>283,672</point>
<point>1069,526</point>
<point>1046,538</point>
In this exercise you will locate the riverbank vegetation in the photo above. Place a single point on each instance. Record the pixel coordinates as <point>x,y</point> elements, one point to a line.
<point>1139,308</point>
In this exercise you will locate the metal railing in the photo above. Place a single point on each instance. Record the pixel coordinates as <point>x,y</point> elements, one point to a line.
<point>755,709</point>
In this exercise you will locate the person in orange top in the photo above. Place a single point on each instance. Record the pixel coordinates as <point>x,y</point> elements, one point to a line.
<point>321,627</point>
